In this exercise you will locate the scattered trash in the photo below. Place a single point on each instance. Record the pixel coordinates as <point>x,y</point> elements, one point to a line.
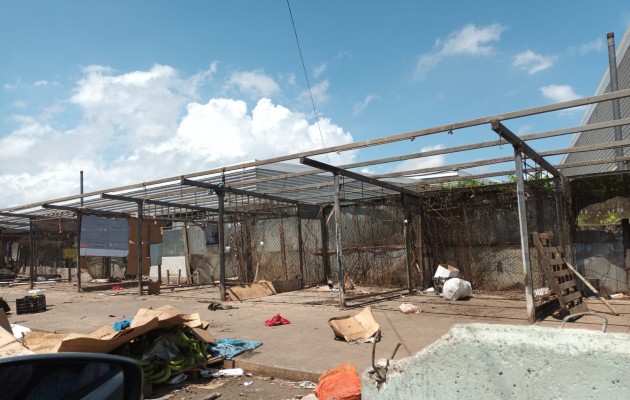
<point>177,379</point>
<point>443,274</point>
<point>124,324</point>
<point>214,306</point>
<point>456,288</point>
<point>231,347</point>
<point>247,383</point>
<point>277,320</point>
<point>310,396</point>
<point>360,326</point>
<point>335,290</point>
<point>117,287</point>
<point>340,383</point>
<point>430,290</point>
<point>19,331</point>
<point>619,296</point>
<point>542,292</point>
<point>307,385</point>
<point>408,308</point>
<point>4,305</point>
<point>226,372</point>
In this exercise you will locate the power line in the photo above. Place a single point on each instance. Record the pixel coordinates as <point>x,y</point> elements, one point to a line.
<point>308,84</point>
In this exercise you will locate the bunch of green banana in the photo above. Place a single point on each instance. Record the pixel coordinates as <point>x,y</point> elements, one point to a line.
<point>154,371</point>
<point>195,351</point>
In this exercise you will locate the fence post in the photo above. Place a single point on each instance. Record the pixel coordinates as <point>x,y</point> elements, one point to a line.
<point>324,233</point>
<point>300,249</point>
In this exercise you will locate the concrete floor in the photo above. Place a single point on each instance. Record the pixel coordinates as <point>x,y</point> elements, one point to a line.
<point>305,348</point>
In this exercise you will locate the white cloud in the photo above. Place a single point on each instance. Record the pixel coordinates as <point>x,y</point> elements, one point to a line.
<point>423,162</point>
<point>585,48</point>
<point>319,70</point>
<point>144,125</point>
<point>319,92</point>
<point>41,83</point>
<point>470,40</point>
<point>254,83</point>
<point>559,93</point>
<point>532,62</point>
<point>360,106</point>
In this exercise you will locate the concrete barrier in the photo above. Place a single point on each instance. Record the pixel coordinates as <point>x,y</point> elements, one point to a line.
<point>484,361</point>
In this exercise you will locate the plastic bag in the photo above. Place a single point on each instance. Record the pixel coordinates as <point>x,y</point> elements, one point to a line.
<point>456,288</point>
<point>340,383</point>
<point>408,308</point>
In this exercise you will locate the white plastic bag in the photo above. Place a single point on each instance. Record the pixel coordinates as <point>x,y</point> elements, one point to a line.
<point>456,288</point>
<point>408,308</point>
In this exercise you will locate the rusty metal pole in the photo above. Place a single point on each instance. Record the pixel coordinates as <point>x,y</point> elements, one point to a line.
<point>79,222</point>
<point>522,219</point>
<point>140,243</point>
<point>32,252</point>
<point>614,86</point>
<point>342,286</point>
<point>221,197</point>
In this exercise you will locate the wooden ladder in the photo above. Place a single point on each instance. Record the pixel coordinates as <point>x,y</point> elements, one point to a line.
<point>559,275</point>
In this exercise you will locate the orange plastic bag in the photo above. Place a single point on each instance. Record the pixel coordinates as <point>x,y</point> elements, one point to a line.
<point>340,383</point>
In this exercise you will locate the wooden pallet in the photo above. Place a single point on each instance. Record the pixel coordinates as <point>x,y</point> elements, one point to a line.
<point>559,275</point>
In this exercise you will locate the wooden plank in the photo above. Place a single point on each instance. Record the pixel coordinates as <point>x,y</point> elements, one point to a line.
<point>572,296</point>
<point>578,308</point>
<point>566,285</point>
<point>595,292</point>
<point>253,291</point>
<point>289,285</point>
<point>561,273</point>
<point>551,249</point>
<point>555,261</point>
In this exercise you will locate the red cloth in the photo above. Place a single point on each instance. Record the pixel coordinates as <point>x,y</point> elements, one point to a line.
<point>117,287</point>
<point>277,320</point>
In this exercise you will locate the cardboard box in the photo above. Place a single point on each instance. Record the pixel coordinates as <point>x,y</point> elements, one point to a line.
<point>446,271</point>
<point>360,326</point>
<point>9,345</point>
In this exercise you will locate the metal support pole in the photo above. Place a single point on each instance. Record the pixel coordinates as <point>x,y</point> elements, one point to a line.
<point>140,244</point>
<point>32,253</point>
<point>221,197</point>
<point>79,221</point>
<point>342,286</point>
<point>614,86</point>
<point>324,235</point>
<point>522,219</point>
<point>300,251</point>
<point>409,252</point>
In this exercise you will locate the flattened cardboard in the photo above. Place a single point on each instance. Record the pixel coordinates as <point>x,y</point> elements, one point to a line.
<point>253,291</point>
<point>9,345</point>
<point>106,339</point>
<point>360,326</point>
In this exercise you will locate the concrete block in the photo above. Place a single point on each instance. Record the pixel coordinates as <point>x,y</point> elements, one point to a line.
<point>484,361</point>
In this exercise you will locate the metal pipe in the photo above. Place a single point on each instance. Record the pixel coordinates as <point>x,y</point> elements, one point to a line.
<point>81,178</point>
<point>614,86</point>
<point>522,219</point>
<point>221,197</point>
<point>32,253</point>
<point>342,286</point>
<point>79,221</point>
<point>140,243</point>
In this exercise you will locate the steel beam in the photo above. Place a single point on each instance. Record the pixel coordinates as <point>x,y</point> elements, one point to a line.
<point>357,177</point>
<point>224,189</point>
<point>86,211</point>
<point>523,147</point>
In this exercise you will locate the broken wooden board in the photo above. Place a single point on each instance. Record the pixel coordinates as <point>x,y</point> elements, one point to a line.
<point>289,285</point>
<point>252,291</point>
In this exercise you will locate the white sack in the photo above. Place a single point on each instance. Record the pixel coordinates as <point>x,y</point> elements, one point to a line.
<point>456,288</point>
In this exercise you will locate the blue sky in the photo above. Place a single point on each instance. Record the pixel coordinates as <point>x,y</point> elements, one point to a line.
<point>135,91</point>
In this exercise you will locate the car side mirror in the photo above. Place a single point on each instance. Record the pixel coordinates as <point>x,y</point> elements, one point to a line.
<point>70,376</point>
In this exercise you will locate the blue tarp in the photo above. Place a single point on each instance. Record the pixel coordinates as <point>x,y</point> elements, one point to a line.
<point>231,347</point>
